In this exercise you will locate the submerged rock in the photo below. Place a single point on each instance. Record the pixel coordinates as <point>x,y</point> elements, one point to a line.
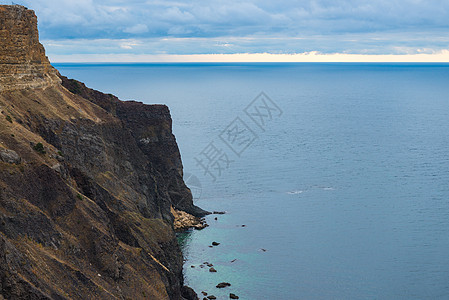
<point>188,293</point>
<point>223,285</point>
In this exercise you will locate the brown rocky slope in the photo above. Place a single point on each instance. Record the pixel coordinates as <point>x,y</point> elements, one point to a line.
<point>86,183</point>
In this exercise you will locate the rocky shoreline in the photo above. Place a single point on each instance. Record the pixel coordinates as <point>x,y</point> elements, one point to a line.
<point>184,221</point>
<point>208,266</point>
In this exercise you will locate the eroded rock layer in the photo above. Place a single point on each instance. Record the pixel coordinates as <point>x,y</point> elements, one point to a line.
<point>23,63</point>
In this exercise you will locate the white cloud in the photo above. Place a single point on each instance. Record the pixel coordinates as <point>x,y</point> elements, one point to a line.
<point>176,15</point>
<point>253,26</point>
<point>442,56</point>
<point>129,44</point>
<point>376,43</point>
<point>136,29</point>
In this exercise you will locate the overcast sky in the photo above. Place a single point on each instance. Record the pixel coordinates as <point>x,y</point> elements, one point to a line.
<point>139,27</point>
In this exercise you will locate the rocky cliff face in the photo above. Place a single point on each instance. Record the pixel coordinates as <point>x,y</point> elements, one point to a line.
<point>86,183</point>
<point>22,58</point>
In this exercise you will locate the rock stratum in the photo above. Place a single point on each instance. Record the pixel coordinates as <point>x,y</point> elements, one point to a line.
<point>87,183</point>
<point>23,63</point>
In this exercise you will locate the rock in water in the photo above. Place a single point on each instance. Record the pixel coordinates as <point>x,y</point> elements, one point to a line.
<point>223,285</point>
<point>188,293</point>
<point>183,221</point>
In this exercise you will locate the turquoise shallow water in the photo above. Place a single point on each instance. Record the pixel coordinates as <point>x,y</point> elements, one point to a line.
<point>347,190</point>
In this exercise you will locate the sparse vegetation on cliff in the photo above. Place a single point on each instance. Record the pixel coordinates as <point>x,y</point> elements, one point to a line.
<point>39,148</point>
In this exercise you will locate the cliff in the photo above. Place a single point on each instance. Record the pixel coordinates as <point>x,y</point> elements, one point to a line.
<point>22,58</point>
<point>87,183</point>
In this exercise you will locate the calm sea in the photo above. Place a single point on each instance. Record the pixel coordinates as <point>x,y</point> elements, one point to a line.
<point>340,173</point>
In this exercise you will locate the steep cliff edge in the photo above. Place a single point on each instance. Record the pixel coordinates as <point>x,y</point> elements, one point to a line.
<point>22,58</point>
<point>86,183</point>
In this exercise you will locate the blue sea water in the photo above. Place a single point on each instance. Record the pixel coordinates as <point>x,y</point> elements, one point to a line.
<point>344,195</point>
